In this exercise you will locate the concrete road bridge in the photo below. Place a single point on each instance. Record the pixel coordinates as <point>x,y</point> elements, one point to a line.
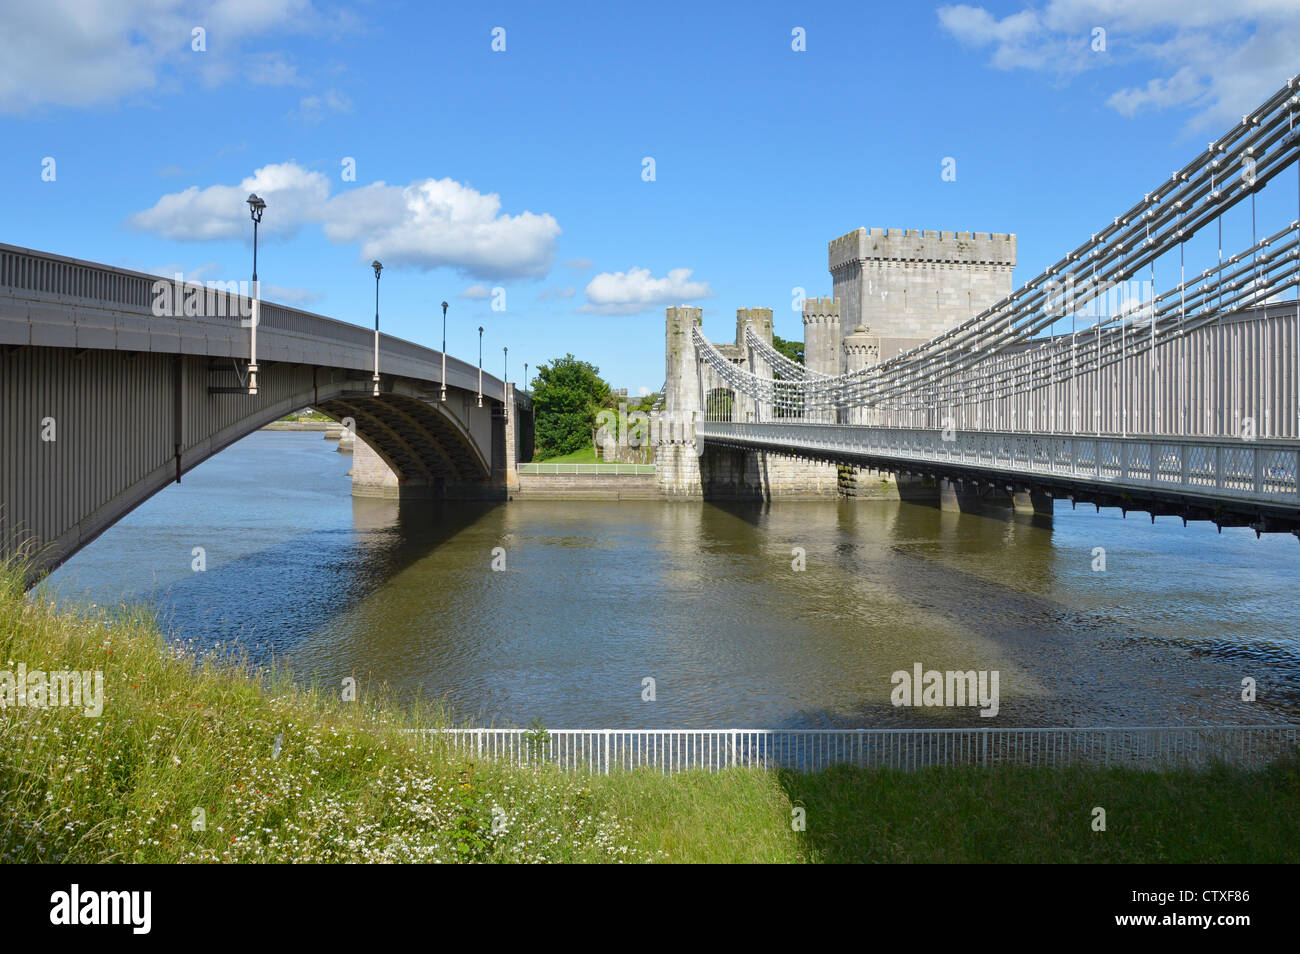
<point>114,384</point>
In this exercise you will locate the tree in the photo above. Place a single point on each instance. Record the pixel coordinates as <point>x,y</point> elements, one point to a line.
<point>791,349</point>
<point>567,393</point>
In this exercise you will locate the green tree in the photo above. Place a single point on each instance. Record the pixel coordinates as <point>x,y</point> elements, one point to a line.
<point>567,393</point>
<point>791,349</point>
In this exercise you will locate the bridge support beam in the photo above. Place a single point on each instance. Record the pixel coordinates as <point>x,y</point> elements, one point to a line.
<point>962,496</point>
<point>1032,501</point>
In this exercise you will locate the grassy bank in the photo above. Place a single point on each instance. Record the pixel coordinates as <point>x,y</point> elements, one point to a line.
<point>191,761</point>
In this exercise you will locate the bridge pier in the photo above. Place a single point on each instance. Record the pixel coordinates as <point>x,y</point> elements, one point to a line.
<point>968,496</point>
<point>1033,501</point>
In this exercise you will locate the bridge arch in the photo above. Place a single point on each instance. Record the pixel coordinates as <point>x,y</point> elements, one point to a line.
<point>89,435</point>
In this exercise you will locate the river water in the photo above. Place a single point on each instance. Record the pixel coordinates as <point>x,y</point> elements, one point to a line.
<point>596,597</point>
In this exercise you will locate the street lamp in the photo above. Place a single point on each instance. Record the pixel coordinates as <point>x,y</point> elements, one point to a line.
<point>256,206</point>
<point>525,377</point>
<point>480,365</point>
<point>444,351</point>
<point>378,268</point>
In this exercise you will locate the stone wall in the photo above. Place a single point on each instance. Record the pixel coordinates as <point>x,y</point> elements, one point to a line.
<point>821,335</point>
<point>864,483</point>
<point>371,477</point>
<point>676,466</point>
<point>727,472</point>
<point>592,486</point>
<point>911,286</point>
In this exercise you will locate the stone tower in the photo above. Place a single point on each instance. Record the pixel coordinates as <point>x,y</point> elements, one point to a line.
<point>759,318</point>
<point>860,349</point>
<point>676,456</point>
<point>910,286</point>
<point>821,335</point>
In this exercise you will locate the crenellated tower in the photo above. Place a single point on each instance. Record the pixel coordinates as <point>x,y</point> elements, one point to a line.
<point>911,286</point>
<point>821,335</point>
<point>760,319</point>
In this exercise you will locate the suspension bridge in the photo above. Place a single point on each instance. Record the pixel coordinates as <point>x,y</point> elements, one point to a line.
<point>1152,368</point>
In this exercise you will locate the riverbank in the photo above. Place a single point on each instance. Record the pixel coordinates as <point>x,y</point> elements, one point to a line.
<point>191,760</point>
<point>302,426</point>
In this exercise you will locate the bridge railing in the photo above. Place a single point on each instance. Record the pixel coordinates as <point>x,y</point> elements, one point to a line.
<point>120,308</point>
<point>603,751</point>
<point>1263,471</point>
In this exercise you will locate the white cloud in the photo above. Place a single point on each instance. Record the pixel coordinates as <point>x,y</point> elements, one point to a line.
<point>1181,88</point>
<point>199,273</point>
<point>1218,59</point>
<point>636,290</point>
<point>271,69</point>
<point>313,109</point>
<point>643,391</point>
<point>294,196</point>
<point>476,292</point>
<point>87,52</point>
<point>440,222</point>
<point>430,223</point>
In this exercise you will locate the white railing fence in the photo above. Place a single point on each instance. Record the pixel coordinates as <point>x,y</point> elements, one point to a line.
<point>810,750</point>
<point>558,469</point>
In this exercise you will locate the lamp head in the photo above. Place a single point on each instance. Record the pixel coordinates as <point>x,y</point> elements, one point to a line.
<point>256,206</point>
<point>444,309</point>
<point>378,267</point>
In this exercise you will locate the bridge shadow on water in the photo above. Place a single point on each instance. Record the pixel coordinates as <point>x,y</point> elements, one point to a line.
<point>345,566</point>
<point>1067,662</point>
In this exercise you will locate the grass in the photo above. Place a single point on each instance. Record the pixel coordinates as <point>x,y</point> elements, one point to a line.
<point>587,455</point>
<point>198,761</point>
<point>1018,814</point>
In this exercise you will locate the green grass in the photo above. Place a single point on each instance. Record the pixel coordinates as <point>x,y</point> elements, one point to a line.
<point>585,456</point>
<point>1019,814</point>
<point>179,735</point>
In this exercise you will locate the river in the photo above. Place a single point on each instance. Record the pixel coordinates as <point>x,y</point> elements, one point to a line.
<point>597,597</point>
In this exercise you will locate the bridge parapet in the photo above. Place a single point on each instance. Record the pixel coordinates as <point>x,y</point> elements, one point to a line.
<point>49,300</point>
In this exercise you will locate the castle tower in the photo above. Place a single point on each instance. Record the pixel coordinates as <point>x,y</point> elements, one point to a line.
<point>681,381</point>
<point>676,456</point>
<point>910,286</point>
<point>759,318</point>
<point>860,349</point>
<point>821,335</point>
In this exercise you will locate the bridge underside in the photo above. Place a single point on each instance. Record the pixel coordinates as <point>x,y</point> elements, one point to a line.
<point>88,435</point>
<point>974,478</point>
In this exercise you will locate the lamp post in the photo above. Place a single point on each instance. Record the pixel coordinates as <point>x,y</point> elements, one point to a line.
<point>480,365</point>
<point>525,377</point>
<point>378,268</point>
<point>256,206</point>
<point>505,376</point>
<point>444,352</point>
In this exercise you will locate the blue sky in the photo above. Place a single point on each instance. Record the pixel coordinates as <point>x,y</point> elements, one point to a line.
<point>522,169</point>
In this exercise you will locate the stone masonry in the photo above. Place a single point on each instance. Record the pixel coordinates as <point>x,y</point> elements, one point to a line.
<point>910,286</point>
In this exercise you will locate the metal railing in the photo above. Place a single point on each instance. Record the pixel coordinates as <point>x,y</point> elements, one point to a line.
<point>562,469</point>
<point>810,750</point>
<point>125,297</point>
<point>1263,471</point>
